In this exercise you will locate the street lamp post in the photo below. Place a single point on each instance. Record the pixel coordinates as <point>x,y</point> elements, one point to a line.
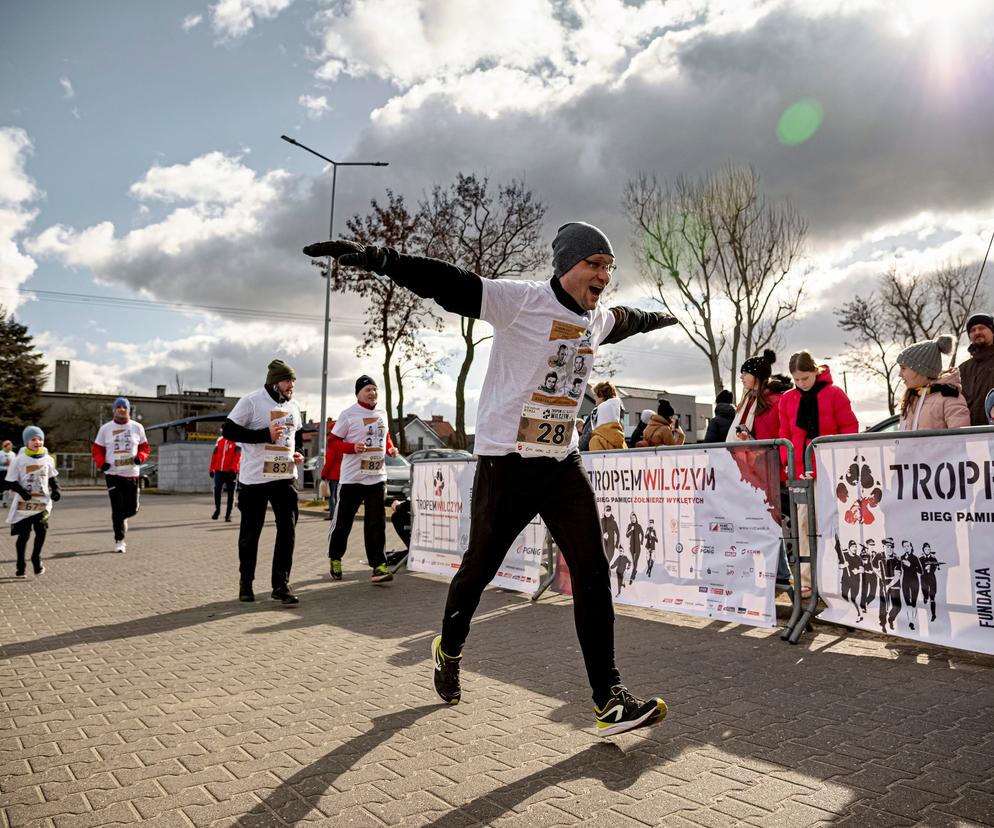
<point>328,271</point>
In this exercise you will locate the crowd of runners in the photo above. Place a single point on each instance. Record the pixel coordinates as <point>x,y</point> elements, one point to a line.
<point>528,438</point>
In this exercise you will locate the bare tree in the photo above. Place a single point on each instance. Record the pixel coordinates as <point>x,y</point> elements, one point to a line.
<point>717,254</point>
<point>494,232</point>
<point>906,308</point>
<point>415,360</point>
<point>875,352</point>
<point>394,315</point>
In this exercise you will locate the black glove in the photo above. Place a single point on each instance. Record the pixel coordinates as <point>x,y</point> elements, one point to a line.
<point>349,254</point>
<point>664,320</point>
<point>104,467</point>
<point>137,461</point>
<point>17,487</point>
<point>56,495</point>
<point>210,473</point>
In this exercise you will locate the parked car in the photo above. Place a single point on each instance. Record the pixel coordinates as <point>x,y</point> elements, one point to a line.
<point>311,471</point>
<point>439,454</point>
<point>398,478</point>
<point>148,475</point>
<point>887,424</point>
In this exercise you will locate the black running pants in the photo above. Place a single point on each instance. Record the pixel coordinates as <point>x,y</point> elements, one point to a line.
<point>252,503</point>
<point>224,480</point>
<point>22,531</point>
<point>374,521</point>
<point>123,492</point>
<point>508,492</point>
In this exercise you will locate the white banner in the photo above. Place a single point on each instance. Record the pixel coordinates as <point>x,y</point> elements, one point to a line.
<point>906,542</point>
<point>441,492</point>
<point>692,531</point>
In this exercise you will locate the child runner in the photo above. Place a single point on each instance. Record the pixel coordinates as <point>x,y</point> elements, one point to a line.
<point>31,477</point>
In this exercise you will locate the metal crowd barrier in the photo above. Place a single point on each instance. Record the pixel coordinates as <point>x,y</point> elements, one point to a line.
<point>802,491</point>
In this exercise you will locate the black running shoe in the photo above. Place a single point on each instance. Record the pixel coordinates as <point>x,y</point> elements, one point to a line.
<point>446,673</point>
<point>623,711</point>
<point>245,592</point>
<point>283,594</point>
<point>216,515</point>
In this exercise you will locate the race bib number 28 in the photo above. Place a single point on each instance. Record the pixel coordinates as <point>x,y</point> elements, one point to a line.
<point>545,432</point>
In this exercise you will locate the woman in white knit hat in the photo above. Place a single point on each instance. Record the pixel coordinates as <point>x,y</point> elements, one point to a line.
<point>934,398</point>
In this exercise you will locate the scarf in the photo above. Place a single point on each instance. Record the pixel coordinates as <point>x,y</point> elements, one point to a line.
<point>807,411</point>
<point>31,453</point>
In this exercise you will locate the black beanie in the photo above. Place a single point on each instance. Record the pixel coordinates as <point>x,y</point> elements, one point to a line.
<point>277,371</point>
<point>362,382</point>
<point>664,409</point>
<point>724,396</point>
<point>575,241</point>
<point>760,366</point>
<point>980,319</point>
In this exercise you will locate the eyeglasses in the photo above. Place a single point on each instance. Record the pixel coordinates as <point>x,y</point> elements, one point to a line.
<point>607,268</point>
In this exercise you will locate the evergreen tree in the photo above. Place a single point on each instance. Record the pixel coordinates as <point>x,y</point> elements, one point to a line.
<point>22,375</point>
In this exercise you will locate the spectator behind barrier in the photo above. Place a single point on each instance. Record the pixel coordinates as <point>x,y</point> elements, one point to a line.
<point>721,422</point>
<point>663,428</point>
<point>977,372</point>
<point>607,433</point>
<point>989,407</point>
<point>816,407</point>
<point>933,399</point>
<point>640,428</point>
<point>757,416</point>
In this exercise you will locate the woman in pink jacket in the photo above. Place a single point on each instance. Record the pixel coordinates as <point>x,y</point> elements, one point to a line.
<point>934,398</point>
<point>815,408</point>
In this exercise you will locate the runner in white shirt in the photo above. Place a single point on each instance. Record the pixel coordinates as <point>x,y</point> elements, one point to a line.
<point>266,423</point>
<point>362,435</point>
<point>31,476</point>
<point>119,448</point>
<point>526,441</point>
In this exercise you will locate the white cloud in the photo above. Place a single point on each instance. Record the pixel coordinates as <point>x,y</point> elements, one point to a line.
<point>67,90</point>
<point>17,191</point>
<point>316,105</point>
<point>235,18</point>
<point>191,21</point>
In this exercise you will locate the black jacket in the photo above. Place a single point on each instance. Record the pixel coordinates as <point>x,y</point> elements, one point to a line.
<point>724,413</point>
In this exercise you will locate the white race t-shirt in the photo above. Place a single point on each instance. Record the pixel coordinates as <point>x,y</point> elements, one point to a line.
<point>357,424</point>
<point>33,473</point>
<point>539,364</point>
<point>121,442</point>
<point>608,411</point>
<point>264,462</point>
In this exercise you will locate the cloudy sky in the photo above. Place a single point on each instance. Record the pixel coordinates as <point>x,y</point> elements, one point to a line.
<point>140,158</point>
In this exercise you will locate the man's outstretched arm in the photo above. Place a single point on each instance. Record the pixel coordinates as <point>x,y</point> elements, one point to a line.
<point>456,290</point>
<point>631,321</point>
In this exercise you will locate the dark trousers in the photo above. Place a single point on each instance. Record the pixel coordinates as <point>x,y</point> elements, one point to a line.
<point>374,524</point>
<point>22,531</point>
<point>401,520</point>
<point>224,480</point>
<point>252,503</point>
<point>508,492</point>
<point>123,493</point>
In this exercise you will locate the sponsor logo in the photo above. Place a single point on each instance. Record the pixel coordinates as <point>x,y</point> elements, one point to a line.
<point>720,526</point>
<point>717,591</point>
<point>678,601</point>
<point>731,553</point>
<point>679,548</point>
<point>702,589</point>
<point>741,610</point>
<point>667,600</point>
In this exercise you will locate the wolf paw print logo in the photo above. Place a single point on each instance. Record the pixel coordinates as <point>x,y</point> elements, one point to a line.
<point>860,491</point>
<point>439,482</point>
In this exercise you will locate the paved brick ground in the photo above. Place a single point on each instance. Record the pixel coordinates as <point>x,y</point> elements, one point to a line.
<point>135,689</point>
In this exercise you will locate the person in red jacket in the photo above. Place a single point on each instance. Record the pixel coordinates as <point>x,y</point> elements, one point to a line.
<point>225,462</point>
<point>815,408</point>
<point>331,471</point>
<point>757,416</point>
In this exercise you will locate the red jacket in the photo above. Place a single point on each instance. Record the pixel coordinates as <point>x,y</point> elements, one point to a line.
<point>766,426</point>
<point>835,416</point>
<point>227,456</point>
<point>333,458</point>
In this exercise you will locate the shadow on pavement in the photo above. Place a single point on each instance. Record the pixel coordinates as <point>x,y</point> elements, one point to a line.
<point>291,801</point>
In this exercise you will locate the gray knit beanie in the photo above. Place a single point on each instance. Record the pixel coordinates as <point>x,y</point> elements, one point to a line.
<point>926,357</point>
<point>574,241</point>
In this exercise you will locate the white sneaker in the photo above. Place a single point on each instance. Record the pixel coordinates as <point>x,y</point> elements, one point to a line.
<point>120,546</point>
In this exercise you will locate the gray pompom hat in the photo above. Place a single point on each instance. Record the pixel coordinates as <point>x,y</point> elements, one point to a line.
<point>926,357</point>
<point>575,241</point>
